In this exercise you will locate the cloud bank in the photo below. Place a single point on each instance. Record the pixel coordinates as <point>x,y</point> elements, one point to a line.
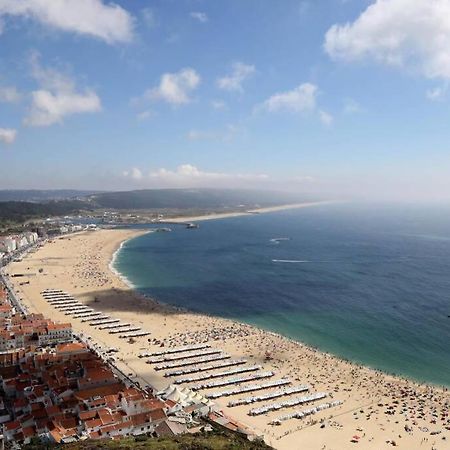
<point>300,99</point>
<point>57,97</point>
<point>409,34</point>
<point>233,82</point>
<point>7,135</point>
<point>175,88</point>
<point>188,175</point>
<point>105,21</point>
<point>10,94</point>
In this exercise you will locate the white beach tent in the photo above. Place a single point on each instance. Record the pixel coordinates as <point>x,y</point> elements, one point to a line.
<point>183,396</point>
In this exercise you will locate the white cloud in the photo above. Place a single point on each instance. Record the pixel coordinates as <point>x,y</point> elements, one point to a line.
<point>149,17</point>
<point>228,134</point>
<point>218,104</point>
<point>197,135</point>
<point>9,94</point>
<point>134,173</point>
<point>144,115</point>
<point>240,73</point>
<point>175,88</point>
<point>300,99</point>
<point>57,97</point>
<point>437,94</point>
<point>190,175</point>
<point>200,16</point>
<point>351,106</point>
<point>410,34</point>
<point>106,21</point>
<point>326,118</point>
<point>7,135</point>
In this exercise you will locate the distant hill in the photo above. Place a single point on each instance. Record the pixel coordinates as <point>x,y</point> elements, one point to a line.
<point>19,212</point>
<point>41,204</point>
<point>35,195</point>
<point>193,198</point>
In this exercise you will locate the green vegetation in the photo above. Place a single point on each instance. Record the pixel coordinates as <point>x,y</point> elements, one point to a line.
<point>37,195</point>
<point>216,440</point>
<point>12,213</point>
<point>192,198</point>
<point>37,204</point>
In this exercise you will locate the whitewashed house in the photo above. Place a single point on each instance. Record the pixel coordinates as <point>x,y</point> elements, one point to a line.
<point>7,244</point>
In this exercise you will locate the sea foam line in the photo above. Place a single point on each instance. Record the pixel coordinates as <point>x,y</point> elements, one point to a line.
<point>113,269</point>
<point>290,261</point>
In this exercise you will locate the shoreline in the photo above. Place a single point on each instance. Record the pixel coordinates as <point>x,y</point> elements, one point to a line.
<point>250,212</point>
<point>162,304</point>
<point>69,266</point>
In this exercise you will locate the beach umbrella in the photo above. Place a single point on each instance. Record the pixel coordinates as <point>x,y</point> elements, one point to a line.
<point>356,437</point>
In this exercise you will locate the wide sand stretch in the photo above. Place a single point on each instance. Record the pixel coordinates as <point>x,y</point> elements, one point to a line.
<point>377,408</point>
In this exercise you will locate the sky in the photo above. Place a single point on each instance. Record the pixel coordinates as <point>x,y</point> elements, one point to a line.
<point>348,98</point>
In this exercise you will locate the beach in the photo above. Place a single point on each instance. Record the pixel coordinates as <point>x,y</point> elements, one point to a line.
<point>378,410</point>
<point>269,209</point>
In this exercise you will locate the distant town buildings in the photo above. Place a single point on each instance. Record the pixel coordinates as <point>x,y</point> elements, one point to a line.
<point>12,244</point>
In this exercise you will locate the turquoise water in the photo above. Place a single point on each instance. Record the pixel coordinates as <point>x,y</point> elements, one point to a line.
<point>371,284</point>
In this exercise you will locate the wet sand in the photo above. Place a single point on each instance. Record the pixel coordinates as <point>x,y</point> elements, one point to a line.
<point>376,408</point>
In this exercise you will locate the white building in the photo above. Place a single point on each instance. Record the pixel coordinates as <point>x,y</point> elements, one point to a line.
<point>56,333</point>
<point>7,244</point>
<point>31,237</point>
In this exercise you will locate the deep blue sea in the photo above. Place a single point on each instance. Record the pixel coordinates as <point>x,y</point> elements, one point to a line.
<point>368,283</point>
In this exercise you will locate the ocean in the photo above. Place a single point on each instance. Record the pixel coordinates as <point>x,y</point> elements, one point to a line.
<point>370,283</point>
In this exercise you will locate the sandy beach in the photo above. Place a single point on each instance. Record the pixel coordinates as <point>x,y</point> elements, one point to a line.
<point>249,212</point>
<point>379,409</point>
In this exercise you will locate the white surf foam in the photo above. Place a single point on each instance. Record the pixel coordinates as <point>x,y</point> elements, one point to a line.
<point>290,261</point>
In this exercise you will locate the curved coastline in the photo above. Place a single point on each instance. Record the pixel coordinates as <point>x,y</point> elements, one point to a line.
<point>112,268</point>
<point>279,335</point>
<point>84,270</point>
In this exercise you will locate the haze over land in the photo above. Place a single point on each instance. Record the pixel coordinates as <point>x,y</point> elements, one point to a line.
<point>299,95</point>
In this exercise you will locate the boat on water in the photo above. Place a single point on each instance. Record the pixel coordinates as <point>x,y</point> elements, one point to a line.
<point>163,230</point>
<point>280,239</point>
<point>192,226</point>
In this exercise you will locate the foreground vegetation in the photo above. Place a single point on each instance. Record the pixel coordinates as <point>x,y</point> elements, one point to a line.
<point>216,440</point>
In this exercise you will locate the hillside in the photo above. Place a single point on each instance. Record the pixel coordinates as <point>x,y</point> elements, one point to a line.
<point>192,198</point>
<point>174,201</point>
<point>210,441</point>
<point>19,212</point>
<point>35,195</point>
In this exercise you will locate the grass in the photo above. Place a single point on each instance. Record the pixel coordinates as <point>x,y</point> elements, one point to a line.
<point>215,440</point>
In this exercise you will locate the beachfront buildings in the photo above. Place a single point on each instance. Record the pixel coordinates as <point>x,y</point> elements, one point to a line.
<point>17,331</point>
<point>68,393</point>
<point>57,390</point>
<point>11,243</point>
<point>7,244</point>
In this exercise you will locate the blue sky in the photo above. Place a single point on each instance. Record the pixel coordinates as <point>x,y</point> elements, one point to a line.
<point>347,97</point>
